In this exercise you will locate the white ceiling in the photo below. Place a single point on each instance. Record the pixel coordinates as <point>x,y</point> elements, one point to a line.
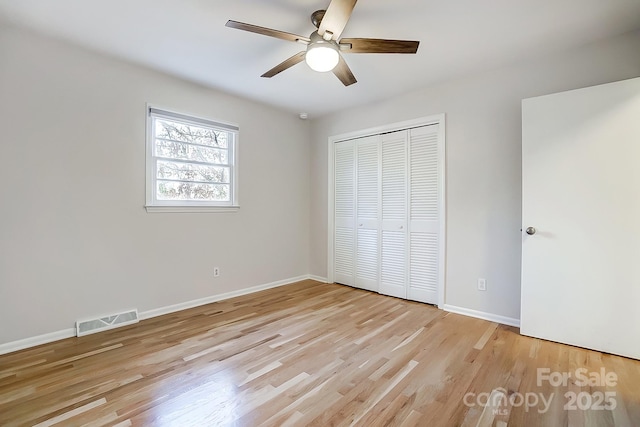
<point>188,38</point>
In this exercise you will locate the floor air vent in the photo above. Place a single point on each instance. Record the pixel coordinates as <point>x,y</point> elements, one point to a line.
<point>91,326</point>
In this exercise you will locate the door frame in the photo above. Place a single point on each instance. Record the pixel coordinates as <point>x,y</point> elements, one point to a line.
<point>437,119</point>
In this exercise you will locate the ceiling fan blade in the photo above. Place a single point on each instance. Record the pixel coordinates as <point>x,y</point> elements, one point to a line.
<point>336,17</point>
<point>267,32</point>
<point>288,63</point>
<point>378,46</point>
<point>343,72</point>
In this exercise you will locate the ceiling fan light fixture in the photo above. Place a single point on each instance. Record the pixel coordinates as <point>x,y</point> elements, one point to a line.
<point>325,46</point>
<point>322,56</point>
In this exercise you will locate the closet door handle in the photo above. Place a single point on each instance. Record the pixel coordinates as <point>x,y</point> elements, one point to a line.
<point>401,227</point>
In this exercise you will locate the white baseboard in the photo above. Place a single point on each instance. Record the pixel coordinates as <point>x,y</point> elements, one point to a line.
<point>12,346</point>
<point>68,333</point>
<point>482,315</point>
<point>208,300</point>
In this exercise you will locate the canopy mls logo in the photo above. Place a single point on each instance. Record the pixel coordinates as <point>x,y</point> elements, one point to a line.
<point>500,401</point>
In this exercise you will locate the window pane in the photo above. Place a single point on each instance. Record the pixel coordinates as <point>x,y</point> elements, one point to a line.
<point>191,172</point>
<point>178,150</point>
<point>177,131</point>
<point>169,190</point>
<point>193,161</point>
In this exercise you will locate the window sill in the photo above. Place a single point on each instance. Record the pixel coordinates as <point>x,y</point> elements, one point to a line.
<point>191,209</point>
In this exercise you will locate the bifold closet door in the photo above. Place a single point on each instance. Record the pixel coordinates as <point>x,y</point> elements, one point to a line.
<point>424,211</point>
<point>393,260</point>
<point>345,208</point>
<point>357,179</point>
<point>387,206</point>
<point>367,212</point>
<point>410,214</point>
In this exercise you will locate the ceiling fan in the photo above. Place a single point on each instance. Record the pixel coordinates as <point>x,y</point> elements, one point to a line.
<point>324,45</point>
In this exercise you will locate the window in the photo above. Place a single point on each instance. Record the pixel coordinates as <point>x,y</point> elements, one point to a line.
<point>191,163</point>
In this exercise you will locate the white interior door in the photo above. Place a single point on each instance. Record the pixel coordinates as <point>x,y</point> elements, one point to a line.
<point>581,193</point>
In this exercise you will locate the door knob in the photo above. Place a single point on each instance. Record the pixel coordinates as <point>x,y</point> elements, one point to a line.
<point>530,231</point>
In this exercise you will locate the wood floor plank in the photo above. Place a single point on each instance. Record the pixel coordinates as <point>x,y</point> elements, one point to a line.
<point>307,354</point>
<point>63,417</point>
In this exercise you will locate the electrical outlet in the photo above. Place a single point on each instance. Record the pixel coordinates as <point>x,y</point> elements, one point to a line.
<point>482,284</point>
<point>216,271</point>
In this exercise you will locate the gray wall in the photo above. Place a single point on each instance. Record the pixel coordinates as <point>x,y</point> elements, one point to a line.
<point>483,118</point>
<point>75,238</point>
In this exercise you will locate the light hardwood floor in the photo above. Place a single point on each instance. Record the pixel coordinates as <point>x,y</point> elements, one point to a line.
<point>309,354</point>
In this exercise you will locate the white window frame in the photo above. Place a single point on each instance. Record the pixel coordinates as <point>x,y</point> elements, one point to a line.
<point>155,205</point>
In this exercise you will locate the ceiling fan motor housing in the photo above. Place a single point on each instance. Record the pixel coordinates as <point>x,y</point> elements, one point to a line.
<point>316,17</point>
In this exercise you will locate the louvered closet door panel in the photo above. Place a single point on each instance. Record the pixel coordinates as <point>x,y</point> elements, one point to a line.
<point>393,260</point>
<point>367,212</point>
<point>423,214</point>
<point>345,191</point>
